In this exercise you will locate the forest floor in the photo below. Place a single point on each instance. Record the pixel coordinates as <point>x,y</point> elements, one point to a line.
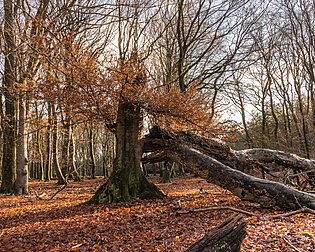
<point>64,223</point>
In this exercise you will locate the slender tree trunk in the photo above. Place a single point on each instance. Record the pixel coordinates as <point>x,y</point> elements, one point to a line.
<point>166,171</point>
<point>21,182</point>
<point>127,181</point>
<point>48,156</point>
<point>9,121</point>
<point>40,153</point>
<point>72,164</point>
<point>92,155</point>
<point>55,164</point>
<point>65,148</point>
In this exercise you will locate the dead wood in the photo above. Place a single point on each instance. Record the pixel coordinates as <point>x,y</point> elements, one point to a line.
<point>214,209</point>
<point>59,190</point>
<point>281,158</point>
<point>227,236</point>
<point>200,161</point>
<point>302,210</point>
<point>291,245</point>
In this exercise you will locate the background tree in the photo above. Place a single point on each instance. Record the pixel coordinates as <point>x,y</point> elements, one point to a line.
<point>9,114</point>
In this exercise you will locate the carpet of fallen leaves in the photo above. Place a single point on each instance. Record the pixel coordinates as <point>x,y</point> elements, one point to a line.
<point>64,223</point>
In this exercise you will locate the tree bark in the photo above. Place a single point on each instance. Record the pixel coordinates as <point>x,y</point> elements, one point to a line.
<point>227,237</point>
<point>73,168</point>
<point>246,187</point>
<point>9,120</point>
<point>65,147</point>
<point>127,181</point>
<point>21,182</point>
<point>48,151</point>
<point>285,159</point>
<point>91,151</point>
<point>55,163</point>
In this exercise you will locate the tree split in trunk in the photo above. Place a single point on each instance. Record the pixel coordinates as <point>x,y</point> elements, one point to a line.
<point>127,181</point>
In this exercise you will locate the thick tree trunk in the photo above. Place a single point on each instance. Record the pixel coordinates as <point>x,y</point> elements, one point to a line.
<point>246,187</point>
<point>227,237</point>
<point>9,147</point>
<point>127,181</point>
<point>9,119</point>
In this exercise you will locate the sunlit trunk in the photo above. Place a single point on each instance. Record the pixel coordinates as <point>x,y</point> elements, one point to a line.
<point>21,183</point>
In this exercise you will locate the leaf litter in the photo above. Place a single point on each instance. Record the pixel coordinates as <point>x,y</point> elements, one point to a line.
<point>65,223</point>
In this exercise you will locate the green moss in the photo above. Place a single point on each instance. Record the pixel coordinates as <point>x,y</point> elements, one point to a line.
<point>7,188</point>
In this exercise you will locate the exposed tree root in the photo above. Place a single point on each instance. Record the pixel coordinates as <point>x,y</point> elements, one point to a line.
<point>108,193</point>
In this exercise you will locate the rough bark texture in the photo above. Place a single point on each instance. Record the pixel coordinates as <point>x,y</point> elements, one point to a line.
<point>127,181</point>
<point>285,159</point>
<point>244,160</point>
<point>246,187</point>
<point>227,237</point>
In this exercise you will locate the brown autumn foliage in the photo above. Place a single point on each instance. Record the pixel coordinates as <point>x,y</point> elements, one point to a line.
<point>64,223</point>
<point>89,90</point>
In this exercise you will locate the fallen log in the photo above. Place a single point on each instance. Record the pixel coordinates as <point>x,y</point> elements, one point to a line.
<point>227,236</point>
<point>266,193</point>
<point>285,159</point>
<point>243,160</point>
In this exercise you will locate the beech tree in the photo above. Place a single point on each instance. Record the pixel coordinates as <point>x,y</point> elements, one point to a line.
<point>9,113</point>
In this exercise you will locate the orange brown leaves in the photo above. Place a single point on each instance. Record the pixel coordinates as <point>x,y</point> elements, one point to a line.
<point>64,224</point>
<point>88,90</point>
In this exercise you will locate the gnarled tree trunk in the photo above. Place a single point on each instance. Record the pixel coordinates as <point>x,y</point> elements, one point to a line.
<point>127,181</point>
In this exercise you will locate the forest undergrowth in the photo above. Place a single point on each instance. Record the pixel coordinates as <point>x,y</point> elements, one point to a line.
<point>46,221</point>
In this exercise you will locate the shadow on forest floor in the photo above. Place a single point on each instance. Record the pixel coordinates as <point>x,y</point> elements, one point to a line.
<point>65,223</point>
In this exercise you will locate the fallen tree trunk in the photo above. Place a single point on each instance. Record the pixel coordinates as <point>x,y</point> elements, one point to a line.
<point>266,193</point>
<point>285,159</point>
<point>246,187</point>
<point>227,236</point>
<point>243,160</point>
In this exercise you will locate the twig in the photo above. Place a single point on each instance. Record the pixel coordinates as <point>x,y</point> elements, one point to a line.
<point>302,210</point>
<point>77,246</point>
<point>53,196</point>
<point>291,245</point>
<point>217,208</point>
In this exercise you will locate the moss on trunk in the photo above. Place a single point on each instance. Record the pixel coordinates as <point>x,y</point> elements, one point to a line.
<point>127,181</point>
